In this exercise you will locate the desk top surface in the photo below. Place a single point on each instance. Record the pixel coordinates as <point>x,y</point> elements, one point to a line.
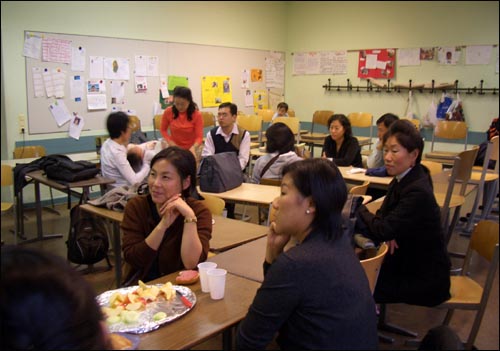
<point>226,232</point>
<point>207,318</point>
<point>42,178</point>
<point>91,156</point>
<point>249,192</point>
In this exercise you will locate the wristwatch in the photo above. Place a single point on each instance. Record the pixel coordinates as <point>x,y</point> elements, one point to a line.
<point>191,220</point>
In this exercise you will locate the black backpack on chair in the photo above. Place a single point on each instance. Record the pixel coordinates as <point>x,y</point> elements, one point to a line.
<point>88,241</point>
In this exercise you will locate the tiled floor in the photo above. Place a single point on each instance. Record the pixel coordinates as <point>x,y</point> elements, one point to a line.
<point>418,319</point>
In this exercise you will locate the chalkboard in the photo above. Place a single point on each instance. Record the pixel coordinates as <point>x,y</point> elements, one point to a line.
<point>174,59</point>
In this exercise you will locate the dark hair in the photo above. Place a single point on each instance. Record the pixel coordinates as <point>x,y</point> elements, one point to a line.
<point>280,138</point>
<point>232,107</point>
<point>322,180</point>
<point>407,135</point>
<point>117,123</point>
<point>135,160</point>
<point>283,105</point>
<point>344,121</point>
<point>185,93</point>
<point>387,119</point>
<point>185,163</point>
<point>46,304</point>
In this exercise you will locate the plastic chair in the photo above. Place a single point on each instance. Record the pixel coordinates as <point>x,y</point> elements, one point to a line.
<point>214,204</point>
<point>460,173</point>
<point>291,112</point>
<point>433,166</point>
<point>362,120</point>
<point>8,181</point>
<point>450,130</point>
<point>31,152</point>
<point>360,189</point>
<point>252,124</point>
<point>313,138</point>
<point>466,293</point>
<point>267,117</point>
<point>134,123</point>
<point>293,123</point>
<point>486,179</point>
<point>416,122</point>
<point>156,124</point>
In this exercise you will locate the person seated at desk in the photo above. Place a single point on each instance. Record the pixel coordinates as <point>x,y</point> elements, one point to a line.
<point>316,294</point>
<point>184,121</point>
<point>228,137</point>
<point>47,305</point>
<point>340,145</point>
<point>280,148</point>
<point>169,229</point>
<point>417,268</point>
<point>282,110</point>
<point>114,163</point>
<point>376,158</point>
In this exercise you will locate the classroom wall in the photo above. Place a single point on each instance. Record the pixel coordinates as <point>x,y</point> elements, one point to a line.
<point>323,26</point>
<point>231,24</point>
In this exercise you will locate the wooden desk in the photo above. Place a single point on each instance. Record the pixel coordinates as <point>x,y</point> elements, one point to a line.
<point>245,260</point>
<point>39,178</point>
<point>249,193</point>
<point>91,156</point>
<point>358,178</point>
<point>207,319</point>
<point>226,233</point>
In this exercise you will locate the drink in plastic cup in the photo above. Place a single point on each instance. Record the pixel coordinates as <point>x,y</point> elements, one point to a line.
<point>217,282</point>
<point>203,267</point>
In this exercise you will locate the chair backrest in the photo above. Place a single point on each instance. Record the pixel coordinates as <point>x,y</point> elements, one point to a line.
<point>433,166</point>
<point>266,114</point>
<point>452,130</point>
<point>7,177</point>
<point>293,123</point>
<point>461,172</point>
<point>135,123</point>
<point>321,117</point>
<point>291,112</point>
<point>208,119</point>
<point>372,266</point>
<point>360,189</point>
<point>156,124</point>
<point>251,123</point>
<point>416,122</point>
<point>360,119</point>
<point>29,151</point>
<point>214,204</point>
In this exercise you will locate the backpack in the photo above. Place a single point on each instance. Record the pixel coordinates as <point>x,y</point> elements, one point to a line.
<point>220,172</point>
<point>61,167</point>
<point>88,238</point>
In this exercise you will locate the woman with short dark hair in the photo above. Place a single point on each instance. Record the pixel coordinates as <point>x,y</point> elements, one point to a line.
<point>340,145</point>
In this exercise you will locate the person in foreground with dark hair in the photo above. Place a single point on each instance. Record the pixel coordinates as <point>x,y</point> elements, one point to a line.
<point>417,268</point>
<point>47,305</point>
<point>316,294</point>
<point>169,229</point>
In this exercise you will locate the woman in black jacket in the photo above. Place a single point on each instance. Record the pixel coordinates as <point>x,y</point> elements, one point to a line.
<point>417,270</point>
<point>340,145</point>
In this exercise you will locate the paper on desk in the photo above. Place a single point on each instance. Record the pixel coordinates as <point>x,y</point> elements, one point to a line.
<point>356,170</point>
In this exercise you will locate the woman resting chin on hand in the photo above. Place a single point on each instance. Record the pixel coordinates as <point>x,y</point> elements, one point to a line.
<point>169,229</point>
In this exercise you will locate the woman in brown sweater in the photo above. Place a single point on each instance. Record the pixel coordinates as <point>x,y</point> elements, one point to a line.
<point>168,229</point>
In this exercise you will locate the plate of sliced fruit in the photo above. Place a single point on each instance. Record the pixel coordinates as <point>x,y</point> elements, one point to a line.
<point>143,308</point>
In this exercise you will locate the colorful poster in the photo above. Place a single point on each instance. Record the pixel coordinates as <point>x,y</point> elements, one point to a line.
<point>377,63</point>
<point>215,90</point>
<point>256,75</point>
<point>260,100</point>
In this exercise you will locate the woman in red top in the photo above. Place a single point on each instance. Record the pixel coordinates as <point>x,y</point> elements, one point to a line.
<point>185,122</point>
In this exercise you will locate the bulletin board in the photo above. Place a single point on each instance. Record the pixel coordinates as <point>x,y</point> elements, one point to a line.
<point>174,59</point>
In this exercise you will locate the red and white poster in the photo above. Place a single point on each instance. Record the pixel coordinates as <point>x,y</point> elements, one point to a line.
<point>377,63</point>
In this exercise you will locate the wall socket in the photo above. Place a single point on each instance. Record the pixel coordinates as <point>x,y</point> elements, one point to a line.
<point>21,123</point>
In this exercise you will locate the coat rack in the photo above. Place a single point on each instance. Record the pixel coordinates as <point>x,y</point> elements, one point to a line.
<point>397,88</point>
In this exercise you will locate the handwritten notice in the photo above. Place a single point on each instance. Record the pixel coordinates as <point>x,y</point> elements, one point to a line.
<point>56,50</point>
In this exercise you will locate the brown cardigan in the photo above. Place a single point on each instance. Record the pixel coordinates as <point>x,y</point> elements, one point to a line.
<point>140,218</point>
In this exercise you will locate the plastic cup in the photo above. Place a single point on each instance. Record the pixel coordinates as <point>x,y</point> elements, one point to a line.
<point>217,282</point>
<point>203,267</point>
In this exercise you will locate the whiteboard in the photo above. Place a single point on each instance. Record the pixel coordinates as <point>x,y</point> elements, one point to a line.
<point>175,59</point>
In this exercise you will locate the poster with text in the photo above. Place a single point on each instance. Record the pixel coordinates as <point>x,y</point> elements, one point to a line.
<point>377,63</point>
<point>215,90</point>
